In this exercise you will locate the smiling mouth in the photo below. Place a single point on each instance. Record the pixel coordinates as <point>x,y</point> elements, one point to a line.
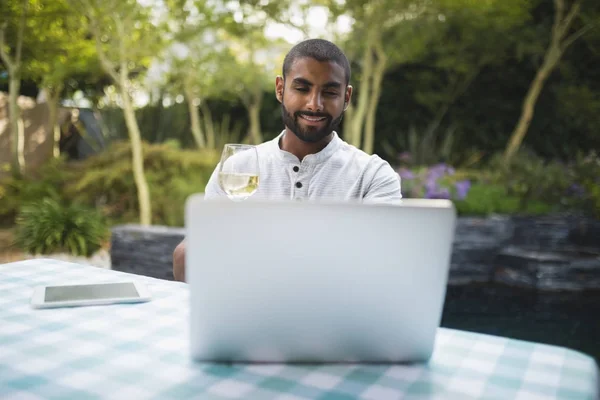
<point>313,119</point>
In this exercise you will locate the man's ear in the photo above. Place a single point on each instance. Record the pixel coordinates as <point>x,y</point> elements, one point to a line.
<point>279,85</point>
<point>348,96</point>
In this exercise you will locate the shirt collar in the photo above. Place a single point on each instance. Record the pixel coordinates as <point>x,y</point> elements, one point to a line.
<point>316,158</point>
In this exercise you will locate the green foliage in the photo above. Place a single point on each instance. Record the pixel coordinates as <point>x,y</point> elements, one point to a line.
<point>486,199</point>
<point>586,182</point>
<point>48,226</point>
<point>439,181</point>
<point>106,180</point>
<point>529,178</point>
<point>528,185</point>
<point>15,192</point>
<point>159,124</point>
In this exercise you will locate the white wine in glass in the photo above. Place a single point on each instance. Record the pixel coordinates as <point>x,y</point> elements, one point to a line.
<point>239,171</point>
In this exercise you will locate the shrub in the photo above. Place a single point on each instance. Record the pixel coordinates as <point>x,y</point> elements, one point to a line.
<point>15,192</point>
<point>47,226</point>
<point>532,179</point>
<point>106,181</point>
<point>485,199</point>
<point>474,192</point>
<point>440,181</point>
<point>585,187</point>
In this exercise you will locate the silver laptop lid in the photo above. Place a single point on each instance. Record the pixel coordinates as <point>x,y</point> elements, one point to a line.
<point>317,282</point>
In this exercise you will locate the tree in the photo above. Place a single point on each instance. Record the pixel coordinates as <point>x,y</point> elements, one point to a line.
<point>254,58</point>
<point>12,59</point>
<point>126,41</point>
<point>469,37</point>
<point>386,33</point>
<point>564,33</point>
<point>65,51</point>
<point>194,57</point>
<point>250,70</point>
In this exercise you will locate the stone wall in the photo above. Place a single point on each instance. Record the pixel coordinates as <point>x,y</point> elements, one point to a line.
<point>553,252</point>
<point>145,250</point>
<point>496,262</point>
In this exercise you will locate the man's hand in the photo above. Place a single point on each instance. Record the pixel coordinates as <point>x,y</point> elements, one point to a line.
<point>179,262</point>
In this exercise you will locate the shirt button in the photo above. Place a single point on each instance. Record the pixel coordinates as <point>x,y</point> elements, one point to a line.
<point>296,169</point>
<point>298,185</point>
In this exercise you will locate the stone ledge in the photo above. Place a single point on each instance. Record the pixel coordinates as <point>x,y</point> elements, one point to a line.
<point>562,269</point>
<point>484,251</point>
<point>145,250</point>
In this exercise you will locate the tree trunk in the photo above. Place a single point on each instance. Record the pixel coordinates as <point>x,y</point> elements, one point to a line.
<point>21,149</point>
<point>13,65</point>
<point>54,128</point>
<point>209,126</point>
<point>138,159</point>
<point>14,115</point>
<point>559,42</point>
<point>195,120</point>
<point>254,116</point>
<point>375,94</point>
<point>348,118</point>
<point>363,96</point>
<point>533,93</point>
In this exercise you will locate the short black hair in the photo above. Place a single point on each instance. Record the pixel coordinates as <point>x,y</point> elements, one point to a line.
<point>319,49</point>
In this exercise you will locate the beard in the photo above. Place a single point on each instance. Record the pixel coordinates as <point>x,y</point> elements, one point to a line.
<point>309,134</point>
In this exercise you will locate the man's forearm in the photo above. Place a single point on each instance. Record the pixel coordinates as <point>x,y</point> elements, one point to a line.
<point>179,262</point>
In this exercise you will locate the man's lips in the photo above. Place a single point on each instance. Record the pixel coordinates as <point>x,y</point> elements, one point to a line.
<point>312,119</point>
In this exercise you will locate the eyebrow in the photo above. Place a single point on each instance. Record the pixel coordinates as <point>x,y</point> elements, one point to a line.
<point>302,81</point>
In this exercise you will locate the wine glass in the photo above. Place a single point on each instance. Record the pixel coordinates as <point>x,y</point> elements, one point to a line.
<point>238,171</point>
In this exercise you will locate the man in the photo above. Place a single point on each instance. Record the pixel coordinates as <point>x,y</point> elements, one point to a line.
<point>308,160</point>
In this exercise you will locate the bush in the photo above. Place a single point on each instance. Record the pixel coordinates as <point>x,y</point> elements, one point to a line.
<point>585,187</point>
<point>526,185</point>
<point>474,192</point>
<point>439,181</point>
<point>106,181</point>
<point>486,199</point>
<point>14,192</point>
<point>532,179</point>
<point>47,226</point>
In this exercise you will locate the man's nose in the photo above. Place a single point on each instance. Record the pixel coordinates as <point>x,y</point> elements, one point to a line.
<point>315,103</point>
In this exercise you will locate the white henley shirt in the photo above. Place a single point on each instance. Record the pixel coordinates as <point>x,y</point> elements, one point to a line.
<point>339,172</point>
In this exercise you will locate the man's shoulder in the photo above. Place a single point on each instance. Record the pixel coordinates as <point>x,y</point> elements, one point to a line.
<point>268,146</point>
<point>360,157</point>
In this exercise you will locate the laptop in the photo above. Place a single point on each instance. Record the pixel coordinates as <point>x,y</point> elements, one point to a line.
<point>306,282</point>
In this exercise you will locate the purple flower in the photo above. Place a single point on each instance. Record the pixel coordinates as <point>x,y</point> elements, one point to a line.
<point>437,171</point>
<point>406,173</point>
<point>439,193</point>
<point>431,184</point>
<point>440,170</point>
<point>462,188</point>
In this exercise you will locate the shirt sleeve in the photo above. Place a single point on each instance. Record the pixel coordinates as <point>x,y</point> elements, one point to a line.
<point>385,186</point>
<point>213,189</point>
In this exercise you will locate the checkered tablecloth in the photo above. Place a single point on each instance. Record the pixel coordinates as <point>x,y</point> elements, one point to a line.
<point>140,351</point>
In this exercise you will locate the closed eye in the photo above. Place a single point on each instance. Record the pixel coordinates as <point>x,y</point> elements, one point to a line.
<point>302,89</point>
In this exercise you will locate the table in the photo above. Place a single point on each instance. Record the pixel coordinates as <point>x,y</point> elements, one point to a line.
<point>140,351</point>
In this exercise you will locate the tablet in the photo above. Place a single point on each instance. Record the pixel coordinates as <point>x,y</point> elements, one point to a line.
<point>89,294</point>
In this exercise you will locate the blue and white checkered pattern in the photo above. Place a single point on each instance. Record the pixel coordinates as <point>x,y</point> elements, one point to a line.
<point>140,351</point>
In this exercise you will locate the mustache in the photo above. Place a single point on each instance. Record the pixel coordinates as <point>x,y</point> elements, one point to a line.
<point>311,114</point>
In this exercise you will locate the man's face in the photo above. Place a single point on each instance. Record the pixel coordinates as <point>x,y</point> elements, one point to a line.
<point>313,98</point>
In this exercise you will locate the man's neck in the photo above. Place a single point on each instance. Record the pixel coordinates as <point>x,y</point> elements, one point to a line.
<point>292,144</point>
